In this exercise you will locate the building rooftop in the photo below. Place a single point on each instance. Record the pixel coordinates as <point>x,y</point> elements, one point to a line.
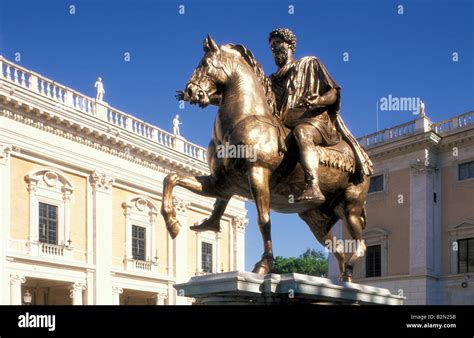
<point>41,85</point>
<point>118,120</point>
<point>420,124</point>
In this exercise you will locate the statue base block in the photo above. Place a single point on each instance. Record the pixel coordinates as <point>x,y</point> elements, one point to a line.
<point>247,288</point>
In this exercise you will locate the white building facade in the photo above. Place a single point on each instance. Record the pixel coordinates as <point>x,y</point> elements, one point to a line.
<point>80,195</point>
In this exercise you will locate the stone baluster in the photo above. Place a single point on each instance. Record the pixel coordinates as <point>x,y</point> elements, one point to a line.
<point>8,72</point>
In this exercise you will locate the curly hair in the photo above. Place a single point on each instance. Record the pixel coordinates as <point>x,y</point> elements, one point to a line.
<point>286,35</point>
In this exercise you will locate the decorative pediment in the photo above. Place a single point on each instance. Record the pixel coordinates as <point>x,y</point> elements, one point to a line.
<point>141,204</point>
<point>50,178</point>
<point>375,232</point>
<point>468,225</point>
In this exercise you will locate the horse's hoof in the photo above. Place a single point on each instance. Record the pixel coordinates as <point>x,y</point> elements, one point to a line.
<point>173,227</point>
<point>207,225</point>
<point>345,278</point>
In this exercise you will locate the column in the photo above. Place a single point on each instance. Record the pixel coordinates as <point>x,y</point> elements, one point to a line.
<point>90,245</point>
<point>33,217</point>
<point>90,295</point>
<point>423,232</point>
<point>238,225</point>
<point>116,292</point>
<point>67,216</point>
<point>128,232</point>
<point>102,220</point>
<point>159,298</point>
<point>198,253</point>
<point>153,246</point>
<point>171,300</point>
<point>217,260</point>
<point>15,289</point>
<point>5,209</point>
<point>75,293</point>
<point>180,245</point>
<point>231,248</point>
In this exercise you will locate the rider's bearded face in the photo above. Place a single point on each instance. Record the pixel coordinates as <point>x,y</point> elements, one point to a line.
<point>280,50</point>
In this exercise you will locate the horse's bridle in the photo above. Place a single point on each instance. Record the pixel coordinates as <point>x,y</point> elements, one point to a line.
<point>206,76</point>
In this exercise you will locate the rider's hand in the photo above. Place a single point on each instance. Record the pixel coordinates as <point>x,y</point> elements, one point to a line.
<point>309,102</point>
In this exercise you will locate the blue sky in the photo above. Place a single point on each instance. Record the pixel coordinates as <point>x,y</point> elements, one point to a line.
<point>408,55</point>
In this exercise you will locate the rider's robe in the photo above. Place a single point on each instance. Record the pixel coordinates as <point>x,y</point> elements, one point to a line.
<point>303,78</point>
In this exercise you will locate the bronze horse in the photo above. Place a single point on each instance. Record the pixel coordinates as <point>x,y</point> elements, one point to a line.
<point>230,77</point>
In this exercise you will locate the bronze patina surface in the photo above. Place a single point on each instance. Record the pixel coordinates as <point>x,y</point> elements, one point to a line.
<point>297,154</point>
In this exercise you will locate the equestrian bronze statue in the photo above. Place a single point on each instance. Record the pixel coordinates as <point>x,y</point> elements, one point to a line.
<point>299,156</point>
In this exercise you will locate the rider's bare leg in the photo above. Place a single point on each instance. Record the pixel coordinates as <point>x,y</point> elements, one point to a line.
<point>308,138</point>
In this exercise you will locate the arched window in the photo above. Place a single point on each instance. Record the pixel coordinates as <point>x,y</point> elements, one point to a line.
<point>375,263</point>
<point>50,193</point>
<point>140,225</point>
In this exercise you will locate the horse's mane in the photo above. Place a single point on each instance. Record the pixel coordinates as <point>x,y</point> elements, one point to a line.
<point>248,56</point>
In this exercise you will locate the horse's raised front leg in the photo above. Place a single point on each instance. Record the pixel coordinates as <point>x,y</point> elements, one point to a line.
<point>213,222</point>
<point>259,178</point>
<point>202,185</point>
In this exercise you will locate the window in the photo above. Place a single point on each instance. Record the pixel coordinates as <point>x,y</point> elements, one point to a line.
<point>48,223</point>
<point>138,242</point>
<point>466,255</point>
<point>466,170</point>
<point>376,183</point>
<point>206,254</point>
<point>50,198</point>
<point>373,266</point>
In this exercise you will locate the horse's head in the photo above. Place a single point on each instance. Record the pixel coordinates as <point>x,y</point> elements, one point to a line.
<point>211,74</point>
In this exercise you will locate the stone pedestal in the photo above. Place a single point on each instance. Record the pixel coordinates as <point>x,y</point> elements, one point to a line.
<point>247,288</point>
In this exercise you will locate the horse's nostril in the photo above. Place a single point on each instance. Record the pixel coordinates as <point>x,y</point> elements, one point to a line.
<point>190,92</point>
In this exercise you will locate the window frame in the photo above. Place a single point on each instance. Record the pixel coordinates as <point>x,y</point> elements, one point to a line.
<point>383,183</point>
<point>140,211</point>
<point>376,235</point>
<point>213,238</point>
<point>48,219</point>
<point>469,162</point>
<point>144,240</point>
<point>467,240</point>
<point>203,243</point>
<point>50,186</point>
<point>379,246</point>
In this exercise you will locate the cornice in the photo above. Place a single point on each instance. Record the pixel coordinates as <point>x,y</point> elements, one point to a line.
<point>406,144</point>
<point>121,143</point>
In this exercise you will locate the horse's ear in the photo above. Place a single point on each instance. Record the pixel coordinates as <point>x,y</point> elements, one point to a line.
<point>212,45</point>
<point>205,45</point>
